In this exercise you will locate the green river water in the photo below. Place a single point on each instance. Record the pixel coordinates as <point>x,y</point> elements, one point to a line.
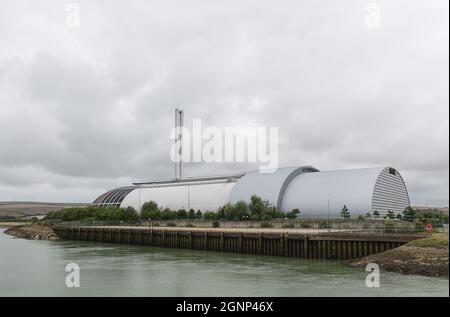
<point>37,268</point>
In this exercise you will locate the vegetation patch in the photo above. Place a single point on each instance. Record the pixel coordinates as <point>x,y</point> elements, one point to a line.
<point>437,240</point>
<point>95,214</point>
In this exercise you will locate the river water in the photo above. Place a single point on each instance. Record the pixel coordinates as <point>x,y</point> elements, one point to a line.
<point>37,268</point>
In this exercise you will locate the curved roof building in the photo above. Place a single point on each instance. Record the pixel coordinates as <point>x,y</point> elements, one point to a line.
<point>313,192</point>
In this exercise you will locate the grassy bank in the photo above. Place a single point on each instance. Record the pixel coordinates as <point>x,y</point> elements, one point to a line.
<point>437,240</point>
<point>428,257</point>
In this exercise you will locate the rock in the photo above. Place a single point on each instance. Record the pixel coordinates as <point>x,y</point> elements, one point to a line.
<point>32,232</point>
<point>409,260</point>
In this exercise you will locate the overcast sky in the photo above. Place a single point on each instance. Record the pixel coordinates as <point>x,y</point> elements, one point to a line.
<point>89,108</point>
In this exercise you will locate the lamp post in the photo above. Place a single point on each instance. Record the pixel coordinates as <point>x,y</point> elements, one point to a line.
<point>328,224</point>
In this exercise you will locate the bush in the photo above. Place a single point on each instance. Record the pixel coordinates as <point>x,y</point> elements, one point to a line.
<point>95,213</point>
<point>182,214</point>
<point>150,210</point>
<point>171,224</point>
<point>189,225</point>
<point>390,214</point>
<point>209,215</point>
<point>266,217</point>
<point>293,214</point>
<point>266,224</point>
<point>389,226</point>
<point>167,214</point>
<point>216,224</point>
<point>10,219</point>
<point>409,214</point>
<point>305,225</point>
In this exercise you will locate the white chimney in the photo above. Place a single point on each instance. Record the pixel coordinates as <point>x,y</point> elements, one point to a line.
<point>179,123</point>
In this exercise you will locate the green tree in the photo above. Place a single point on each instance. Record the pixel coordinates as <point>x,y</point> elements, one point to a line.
<point>167,214</point>
<point>409,214</point>
<point>150,210</point>
<point>191,214</point>
<point>209,215</point>
<point>241,210</point>
<point>181,214</point>
<point>376,214</point>
<point>257,207</point>
<point>130,214</point>
<point>228,212</point>
<point>198,214</point>
<point>390,214</point>
<point>293,214</point>
<point>345,213</point>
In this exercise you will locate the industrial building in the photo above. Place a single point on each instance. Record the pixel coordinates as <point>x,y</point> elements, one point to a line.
<point>313,192</point>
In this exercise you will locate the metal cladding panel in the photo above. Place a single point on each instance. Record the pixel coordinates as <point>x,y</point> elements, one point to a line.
<point>269,186</point>
<point>209,197</point>
<point>390,193</point>
<point>313,192</point>
<point>184,196</point>
<point>113,197</point>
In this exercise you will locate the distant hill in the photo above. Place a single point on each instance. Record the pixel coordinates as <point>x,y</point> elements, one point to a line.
<point>435,209</point>
<point>30,208</point>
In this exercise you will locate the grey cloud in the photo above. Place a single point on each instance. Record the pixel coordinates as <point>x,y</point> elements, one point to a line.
<point>83,110</point>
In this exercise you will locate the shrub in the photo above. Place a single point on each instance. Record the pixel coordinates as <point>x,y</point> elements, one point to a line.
<point>266,217</point>
<point>345,213</point>
<point>209,215</point>
<point>305,225</point>
<point>216,224</point>
<point>257,207</point>
<point>167,214</point>
<point>266,224</point>
<point>389,225</point>
<point>171,224</point>
<point>189,225</point>
<point>390,214</point>
<point>181,214</point>
<point>241,210</point>
<point>150,210</point>
<point>409,214</point>
<point>294,213</point>
<point>95,213</point>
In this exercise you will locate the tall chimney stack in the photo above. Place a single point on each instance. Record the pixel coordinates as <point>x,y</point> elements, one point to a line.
<point>179,123</point>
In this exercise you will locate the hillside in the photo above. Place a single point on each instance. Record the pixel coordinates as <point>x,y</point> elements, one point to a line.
<point>21,208</point>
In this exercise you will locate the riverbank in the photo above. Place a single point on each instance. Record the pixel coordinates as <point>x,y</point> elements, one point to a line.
<point>427,257</point>
<point>29,231</point>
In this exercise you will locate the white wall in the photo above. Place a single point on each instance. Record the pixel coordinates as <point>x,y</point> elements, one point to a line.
<point>203,196</point>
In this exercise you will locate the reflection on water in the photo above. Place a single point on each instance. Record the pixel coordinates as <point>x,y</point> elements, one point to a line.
<point>36,268</point>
